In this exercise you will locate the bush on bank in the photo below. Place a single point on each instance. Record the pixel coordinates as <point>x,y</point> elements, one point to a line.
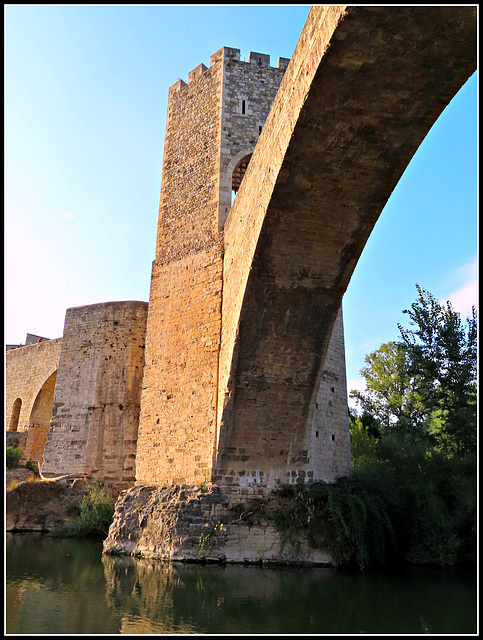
<point>13,455</point>
<point>96,510</point>
<point>405,505</point>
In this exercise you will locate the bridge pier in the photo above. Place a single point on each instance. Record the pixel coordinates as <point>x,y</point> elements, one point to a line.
<point>286,425</point>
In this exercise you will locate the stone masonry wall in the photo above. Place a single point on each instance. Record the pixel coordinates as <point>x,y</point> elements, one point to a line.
<point>97,395</point>
<point>188,201</point>
<point>328,441</point>
<point>247,456</point>
<point>183,327</point>
<point>178,409</point>
<point>279,440</point>
<point>245,221</point>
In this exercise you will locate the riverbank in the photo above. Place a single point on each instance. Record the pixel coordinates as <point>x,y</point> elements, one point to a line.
<point>309,525</point>
<point>41,505</point>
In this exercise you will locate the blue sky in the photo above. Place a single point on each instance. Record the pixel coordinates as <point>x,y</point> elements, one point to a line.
<point>85,109</point>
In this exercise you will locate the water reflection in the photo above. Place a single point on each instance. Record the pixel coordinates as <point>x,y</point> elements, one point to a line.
<point>145,594</point>
<point>54,586</point>
<point>67,586</point>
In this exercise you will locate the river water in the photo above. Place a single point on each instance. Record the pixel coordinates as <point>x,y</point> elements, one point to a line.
<point>66,586</point>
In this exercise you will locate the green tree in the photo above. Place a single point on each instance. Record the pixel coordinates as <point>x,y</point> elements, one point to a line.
<point>363,436</point>
<point>424,386</point>
<point>392,395</point>
<point>442,356</point>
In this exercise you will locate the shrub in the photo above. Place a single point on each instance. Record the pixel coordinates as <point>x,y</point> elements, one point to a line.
<point>13,457</point>
<point>32,466</point>
<point>405,505</point>
<point>95,514</point>
<point>347,520</point>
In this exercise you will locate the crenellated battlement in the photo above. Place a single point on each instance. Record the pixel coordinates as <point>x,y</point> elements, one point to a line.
<point>259,59</point>
<point>229,54</point>
<point>192,75</point>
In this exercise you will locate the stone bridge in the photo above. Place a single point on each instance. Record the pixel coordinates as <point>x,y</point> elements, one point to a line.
<point>362,90</point>
<point>239,376</point>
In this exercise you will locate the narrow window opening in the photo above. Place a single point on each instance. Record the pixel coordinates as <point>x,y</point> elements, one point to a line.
<point>243,107</point>
<point>333,437</point>
<point>316,434</point>
<point>260,129</point>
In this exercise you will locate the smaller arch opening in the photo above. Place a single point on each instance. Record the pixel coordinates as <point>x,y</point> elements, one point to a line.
<point>15,415</point>
<point>239,172</point>
<point>39,420</point>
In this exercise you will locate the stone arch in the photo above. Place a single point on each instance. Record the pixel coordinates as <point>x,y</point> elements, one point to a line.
<point>39,420</point>
<point>15,415</point>
<point>361,92</point>
<point>26,371</point>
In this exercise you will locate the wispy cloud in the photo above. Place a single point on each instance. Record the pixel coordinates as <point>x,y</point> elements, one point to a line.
<point>466,295</point>
<point>69,214</point>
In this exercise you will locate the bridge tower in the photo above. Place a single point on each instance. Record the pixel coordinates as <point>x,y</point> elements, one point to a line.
<point>212,127</point>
